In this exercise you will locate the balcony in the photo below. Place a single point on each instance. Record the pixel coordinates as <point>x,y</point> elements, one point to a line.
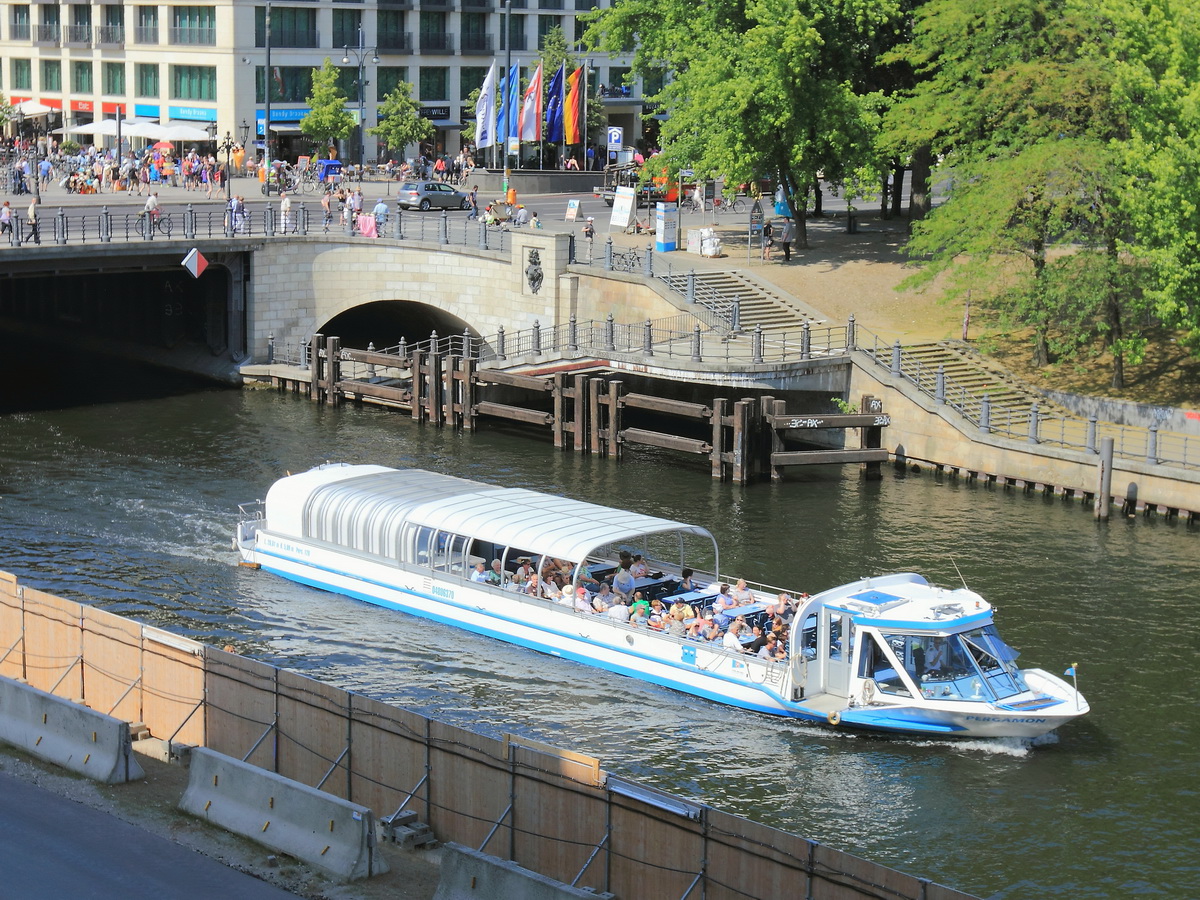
<point>46,35</point>
<point>395,40</point>
<point>437,42</point>
<point>110,35</point>
<point>585,5</point>
<point>195,37</point>
<point>550,4</point>
<point>145,34</point>
<point>476,43</point>
<point>435,4</point>
<point>477,5</point>
<point>77,35</point>
<point>395,4</point>
<point>302,38</point>
<point>18,31</point>
<point>516,42</point>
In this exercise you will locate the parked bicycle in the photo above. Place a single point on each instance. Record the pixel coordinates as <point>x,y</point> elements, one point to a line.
<point>626,260</point>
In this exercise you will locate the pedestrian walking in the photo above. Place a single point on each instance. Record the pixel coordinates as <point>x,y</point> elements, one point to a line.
<point>285,212</point>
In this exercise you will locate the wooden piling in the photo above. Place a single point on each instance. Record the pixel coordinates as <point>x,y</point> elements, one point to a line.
<point>594,415</point>
<point>314,367</point>
<point>719,416</point>
<point>333,370</point>
<point>559,405</point>
<point>434,381</point>
<point>613,402</point>
<point>468,393</point>
<point>579,424</point>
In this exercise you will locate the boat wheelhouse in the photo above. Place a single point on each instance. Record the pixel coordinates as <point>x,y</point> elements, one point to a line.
<point>892,653</point>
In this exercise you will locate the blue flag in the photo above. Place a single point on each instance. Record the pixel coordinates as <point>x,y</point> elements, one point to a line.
<point>1070,672</point>
<point>554,107</point>
<point>501,135</point>
<point>512,104</point>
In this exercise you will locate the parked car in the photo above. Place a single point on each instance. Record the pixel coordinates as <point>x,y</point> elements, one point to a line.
<point>430,194</point>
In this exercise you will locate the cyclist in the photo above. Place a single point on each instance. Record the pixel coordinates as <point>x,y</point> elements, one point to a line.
<point>151,210</point>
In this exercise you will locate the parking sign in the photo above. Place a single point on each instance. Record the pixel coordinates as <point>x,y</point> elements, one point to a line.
<point>616,137</point>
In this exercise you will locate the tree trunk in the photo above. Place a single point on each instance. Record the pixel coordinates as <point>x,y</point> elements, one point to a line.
<point>897,188</point>
<point>1112,312</point>
<point>816,188</point>
<point>883,196</point>
<point>920,199</point>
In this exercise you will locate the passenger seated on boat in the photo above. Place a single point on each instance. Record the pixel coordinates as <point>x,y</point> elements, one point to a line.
<point>602,599</point>
<point>535,587</point>
<point>622,582</point>
<point>732,641</point>
<point>658,608</point>
<point>583,602</point>
<point>758,640</point>
<point>770,648</point>
<point>479,573</point>
<point>619,611</point>
<point>711,631</point>
<point>639,569</point>
<point>682,610</point>
<point>695,630</point>
<point>638,618</point>
<point>782,607</point>
<point>524,569</point>
<point>721,606</point>
<point>686,584</point>
<point>742,594</point>
<point>640,602</point>
<point>497,575</point>
<point>585,576</point>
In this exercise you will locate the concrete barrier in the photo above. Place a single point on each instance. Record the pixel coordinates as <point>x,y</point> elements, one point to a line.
<point>67,734</point>
<point>469,875</point>
<point>331,834</point>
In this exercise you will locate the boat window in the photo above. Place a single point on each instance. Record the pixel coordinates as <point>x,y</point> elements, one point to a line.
<point>417,544</point>
<point>995,660</point>
<point>877,665</point>
<point>452,553</point>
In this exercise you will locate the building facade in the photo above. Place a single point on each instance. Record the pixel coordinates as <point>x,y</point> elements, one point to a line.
<point>207,65</point>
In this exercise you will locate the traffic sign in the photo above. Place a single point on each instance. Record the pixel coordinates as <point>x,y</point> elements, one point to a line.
<point>195,263</point>
<point>616,137</point>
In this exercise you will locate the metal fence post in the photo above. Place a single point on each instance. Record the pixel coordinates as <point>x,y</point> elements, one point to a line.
<point>758,343</point>
<point>735,315</point>
<point>1091,434</point>
<point>691,286</point>
<point>648,261</point>
<point>896,354</point>
<point>105,225</point>
<point>985,414</point>
<point>60,227</point>
<point>148,225</point>
<point>648,339</point>
<point>851,337</point>
<point>696,343</point>
<point>1034,424</point>
<point>573,333</point>
<point>571,249</point>
<point>939,390</point>
<point>189,222</point>
<point>444,228</point>
<point>608,255</point>
<point>805,340</point>
<point>302,219</point>
<point>1152,445</point>
<point>609,333</point>
<point>500,343</point>
<point>269,223</point>
<point>16,234</point>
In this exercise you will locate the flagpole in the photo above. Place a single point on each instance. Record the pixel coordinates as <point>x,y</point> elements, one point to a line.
<point>583,123</point>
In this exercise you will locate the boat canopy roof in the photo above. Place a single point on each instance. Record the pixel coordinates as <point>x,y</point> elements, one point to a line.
<point>367,507</point>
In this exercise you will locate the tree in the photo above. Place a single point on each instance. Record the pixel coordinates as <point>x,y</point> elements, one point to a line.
<point>765,87</point>
<point>400,123</point>
<point>328,120</point>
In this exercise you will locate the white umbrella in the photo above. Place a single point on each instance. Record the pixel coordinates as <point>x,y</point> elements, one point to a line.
<point>144,130</point>
<point>33,108</point>
<point>184,133</point>
<point>91,128</point>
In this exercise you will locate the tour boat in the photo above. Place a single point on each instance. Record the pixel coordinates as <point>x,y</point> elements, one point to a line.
<point>892,653</point>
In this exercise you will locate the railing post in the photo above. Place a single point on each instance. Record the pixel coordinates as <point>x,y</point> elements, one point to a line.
<point>16,234</point>
<point>805,340</point>
<point>691,286</point>
<point>271,348</point>
<point>466,346</point>
<point>1152,445</point>
<point>444,228</point>
<point>402,348</point>
<point>758,343</point>
<point>105,225</point>
<point>648,339</point>
<point>269,222</point>
<point>482,234</point>
<point>985,414</point>
<point>537,337</point>
<point>696,343</point>
<point>939,390</point>
<point>1034,424</point>
<point>896,353</point>
<point>500,343</point>
<point>851,337</point>
<point>735,315</point>
<point>60,227</point>
<point>189,222</point>
<point>302,219</point>
<point>573,333</point>
<point>371,366</point>
<point>608,255</point>
<point>149,229</point>
<point>348,229</point>
<point>610,329</point>
<point>571,249</point>
<point>648,262</point>
<point>1091,434</point>
<point>397,228</point>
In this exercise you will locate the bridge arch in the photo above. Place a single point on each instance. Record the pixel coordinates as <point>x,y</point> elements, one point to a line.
<point>385,322</point>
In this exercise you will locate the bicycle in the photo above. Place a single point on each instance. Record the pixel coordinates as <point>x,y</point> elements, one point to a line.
<point>160,223</point>
<point>626,260</point>
<point>735,205</point>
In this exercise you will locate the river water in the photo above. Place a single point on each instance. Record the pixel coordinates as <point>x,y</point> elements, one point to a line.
<point>129,504</point>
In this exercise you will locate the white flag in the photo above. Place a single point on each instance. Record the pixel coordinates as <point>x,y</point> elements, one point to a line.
<point>485,111</point>
<point>530,125</point>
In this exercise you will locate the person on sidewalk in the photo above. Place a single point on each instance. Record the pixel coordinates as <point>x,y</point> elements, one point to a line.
<point>32,217</point>
<point>787,234</point>
<point>285,212</point>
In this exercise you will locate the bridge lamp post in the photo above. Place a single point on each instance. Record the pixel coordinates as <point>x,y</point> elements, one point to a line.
<point>360,57</point>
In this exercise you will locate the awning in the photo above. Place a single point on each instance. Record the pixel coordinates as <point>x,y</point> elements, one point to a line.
<point>446,123</point>
<point>286,129</point>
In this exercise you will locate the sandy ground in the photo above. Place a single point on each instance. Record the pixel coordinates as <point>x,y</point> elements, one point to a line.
<point>152,804</point>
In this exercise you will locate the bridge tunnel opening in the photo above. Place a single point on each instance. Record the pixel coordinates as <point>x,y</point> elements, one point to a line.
<point>385,322</point>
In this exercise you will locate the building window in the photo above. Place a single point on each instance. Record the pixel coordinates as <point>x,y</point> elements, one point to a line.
<point>51,75</point>
<point>435,83</point>
<point>546,24</point>
<point>81,77</point>
<point>290,84</point>
<point>147,80</point>
<point>114,79</point>
<point>22,75</point>
<point>347,82</point>
<point>346,23</point>
<point>194,25</point>
<point>193,83</point>
<point>20,24</point>
<point>289,27</point>
<point>470,78</point>
<point>389,25</point>
<point>387,77</point>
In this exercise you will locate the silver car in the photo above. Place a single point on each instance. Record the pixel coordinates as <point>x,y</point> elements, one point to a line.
<point>430,194</point>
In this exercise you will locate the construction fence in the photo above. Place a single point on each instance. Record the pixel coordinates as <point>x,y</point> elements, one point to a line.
<point>551,811</point>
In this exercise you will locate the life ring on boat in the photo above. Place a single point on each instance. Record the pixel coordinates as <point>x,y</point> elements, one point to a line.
<point>834,717</point>
<point>868,691</point>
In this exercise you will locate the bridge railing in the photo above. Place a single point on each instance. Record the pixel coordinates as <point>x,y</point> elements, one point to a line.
<point>1026,422</point>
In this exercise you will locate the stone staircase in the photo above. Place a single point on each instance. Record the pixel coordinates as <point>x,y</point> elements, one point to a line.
<point>759,303</point>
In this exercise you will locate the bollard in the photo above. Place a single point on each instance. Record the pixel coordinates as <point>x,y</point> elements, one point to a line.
<point>691,286</point>
<point>735,316</point>
<point>1091,434</point>
<point>269,222</point>
<point>805,340</point>
<point>60,227</point>
<point>500,343</point>
<point>105,225</point>
<point>537,337</point>
<point>482,234</point>
<point>1034,423</point>
<point>610,333</point>
<point>444,228</point>
<point>147,226</point>
<point>402,348</point>
<point>696,343</point>
<point>271,348</point>
<point>16,235</point>
<point>758,343</point>
<point>851,337</point>
<point>896,352</point>
<point>939,391</point>
<point>648,262</point>
<point>985,414</point>
<point>189,222</point>
<point>573,333</point>
<point>1104,480</point>
<point>571,249</point>
<point>1152,445</point>
<point>302,219</point>
<point>608,255</point>
<point>648,339</point>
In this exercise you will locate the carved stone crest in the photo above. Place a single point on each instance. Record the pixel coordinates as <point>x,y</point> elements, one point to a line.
<point>533,271</point>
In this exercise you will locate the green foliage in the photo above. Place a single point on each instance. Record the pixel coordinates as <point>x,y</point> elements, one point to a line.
<point>70,147</point>
<point>399,121</point>
<point>843,406</point>
<point>328,120</point>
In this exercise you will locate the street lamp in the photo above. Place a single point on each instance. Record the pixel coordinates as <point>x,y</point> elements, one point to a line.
<point>227,145</point>
<point>360,56</point>
<point>245,129</point>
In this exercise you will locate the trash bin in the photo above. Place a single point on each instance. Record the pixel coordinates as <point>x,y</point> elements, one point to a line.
<point>851,223</point>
